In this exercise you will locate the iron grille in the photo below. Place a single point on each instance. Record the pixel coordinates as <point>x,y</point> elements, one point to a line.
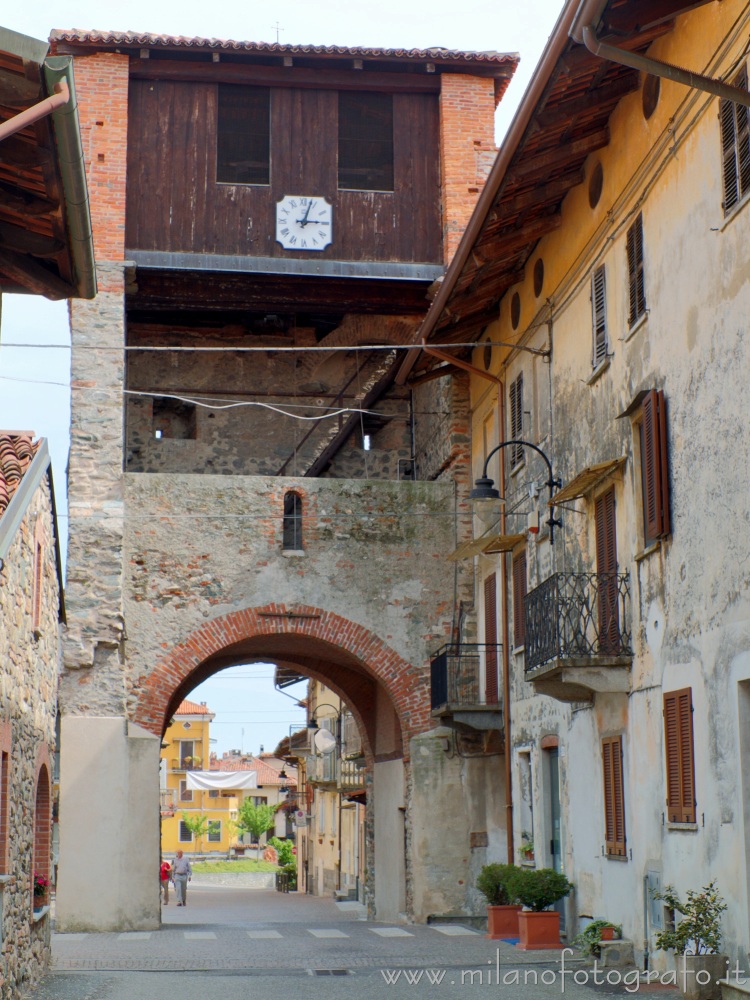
<point>455,673</point>
<point>578,616</point>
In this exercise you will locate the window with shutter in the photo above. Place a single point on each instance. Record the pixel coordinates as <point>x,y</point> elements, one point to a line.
<point>636,279</point>
<point>735,146</point>
<point>654,467</point>
<point>614,797</point>
<point>243,133</point>
<point>491,683</point>
<point>679,753</point>
<point>599,316</point>
<point>519,593</point>
<point>516,419</point>
<point>606,569</point>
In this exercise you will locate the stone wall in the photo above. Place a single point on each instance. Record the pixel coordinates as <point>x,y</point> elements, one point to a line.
<point>28,691</point>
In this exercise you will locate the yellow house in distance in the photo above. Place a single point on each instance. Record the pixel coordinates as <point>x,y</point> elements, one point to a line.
<point>185,749</point>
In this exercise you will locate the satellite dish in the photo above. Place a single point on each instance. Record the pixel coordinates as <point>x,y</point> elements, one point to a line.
<point>325,741</point>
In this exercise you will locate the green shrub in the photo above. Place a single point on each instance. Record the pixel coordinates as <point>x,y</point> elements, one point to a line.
<point>497,883</point>
<point>699,931</point>
<point>538,888</point>
<point>284,849</point>
<point>590,938</point>
<point>291,870</point>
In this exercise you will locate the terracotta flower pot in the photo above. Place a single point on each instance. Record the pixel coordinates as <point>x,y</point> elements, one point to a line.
<point>539,930</point>
<point>607,934</point>
<point>502,922</point>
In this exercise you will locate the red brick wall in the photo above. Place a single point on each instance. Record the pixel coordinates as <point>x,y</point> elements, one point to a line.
<point>467,149</point>
<point>101,82</point>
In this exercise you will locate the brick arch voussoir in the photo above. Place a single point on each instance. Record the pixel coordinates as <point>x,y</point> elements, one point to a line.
<point>152,692</point>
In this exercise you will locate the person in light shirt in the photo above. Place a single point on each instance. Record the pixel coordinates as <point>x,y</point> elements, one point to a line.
<point>181,875</point>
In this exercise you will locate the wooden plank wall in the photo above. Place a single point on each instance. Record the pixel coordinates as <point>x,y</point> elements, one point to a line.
<point>175,204</point>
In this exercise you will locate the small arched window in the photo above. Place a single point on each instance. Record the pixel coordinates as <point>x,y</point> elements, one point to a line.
<point>292,536</point>
<point>42,839</point>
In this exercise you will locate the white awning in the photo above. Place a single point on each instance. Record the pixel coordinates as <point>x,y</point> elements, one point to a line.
<point>209,780</point>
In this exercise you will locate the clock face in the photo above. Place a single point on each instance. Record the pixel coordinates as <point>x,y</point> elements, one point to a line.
<point>303,222</point>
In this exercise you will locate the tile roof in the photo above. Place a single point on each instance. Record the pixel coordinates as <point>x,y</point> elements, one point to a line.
<point>17,448</point>
<point>267,775</point>
<point>180,41</point>
<point>192,708</point>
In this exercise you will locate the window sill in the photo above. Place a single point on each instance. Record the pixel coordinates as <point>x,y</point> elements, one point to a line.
<point>4,880</point>
<point>519,650</point>
<point>39,914</point>
<point>293,553</point>
<point>598,371</point>
<point>683,827</point>
<point>649,550</point>
<point>616,857</point>
<point>518,467</point>
<point>641,321</point>
<point>734,212</point>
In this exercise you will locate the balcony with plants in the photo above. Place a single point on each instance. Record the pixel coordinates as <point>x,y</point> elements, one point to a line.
<point>578,639</point>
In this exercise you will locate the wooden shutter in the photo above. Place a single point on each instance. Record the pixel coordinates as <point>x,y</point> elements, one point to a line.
<point>599,311</point>
<point>516,419</point>
<point>491,687</point>
<point>735,146</point>
<point>680,759</point>
<point>655,466</point>
<point>606,568</point>
<point>614,796</point>
<point>519,593</point>
<point>636,281</point>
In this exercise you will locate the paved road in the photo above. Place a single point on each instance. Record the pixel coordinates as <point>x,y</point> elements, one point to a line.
<point>235,943</point>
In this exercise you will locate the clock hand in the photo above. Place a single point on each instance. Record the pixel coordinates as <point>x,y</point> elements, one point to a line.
<point>305,219</point>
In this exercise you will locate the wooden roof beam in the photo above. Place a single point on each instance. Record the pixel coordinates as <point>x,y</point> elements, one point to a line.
<point>578,149</point>
<point>30,274</point>
<point>563,112</point>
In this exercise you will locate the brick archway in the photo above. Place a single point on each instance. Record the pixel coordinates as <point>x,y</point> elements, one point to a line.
<point>277,632</point>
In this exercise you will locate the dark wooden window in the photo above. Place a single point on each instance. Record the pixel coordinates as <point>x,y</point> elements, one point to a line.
<point>599,315</point>
<point>654,467</point>
<point>516,419</point>
<point>735,146</point>
<point>678,744</point>
<point>636,282</point>
<point>519,593</point>
<point>614,797</point>
<point>292,527</point>
<point>606,568</point>
<point>365,141</point>
<point>491,684</point>
<point>243,146</point>
<point>186,794</point>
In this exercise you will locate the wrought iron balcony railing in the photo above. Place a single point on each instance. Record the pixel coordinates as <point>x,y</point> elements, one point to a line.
<point>456,675</point>
<point>578,616</point>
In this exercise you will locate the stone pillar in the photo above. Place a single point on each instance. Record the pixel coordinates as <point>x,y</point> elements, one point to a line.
<point>109,829</point>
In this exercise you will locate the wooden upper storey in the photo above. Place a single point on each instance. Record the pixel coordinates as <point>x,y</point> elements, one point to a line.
<point>311,110</point>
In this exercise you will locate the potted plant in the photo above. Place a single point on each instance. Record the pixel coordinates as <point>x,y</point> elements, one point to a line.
<point>526,850</point>
<point>696,940</point>
<point>537,889</point>
<point>496,882</point>
<point>590,939</point>
<point>41,887</point>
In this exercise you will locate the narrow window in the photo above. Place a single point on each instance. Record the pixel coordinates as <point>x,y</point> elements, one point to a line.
<point>38,577</point>
<point>184,836</point>
<point>614,797</point>
<point>606,569</point>
<point>735,146</point>
<point>516,420</point>
<point>187,749</point>
<point>243,135</point>
<point>652,429</point>
<point>186,794</point>
<point>4,793</point>
<point>519,593</point>
<point>636,282</point>
<point>214,831</point>
<point>365,141</point>
<point>678,744</point>
<point>491,685</point>
<point>599,316</point>
<point>292,528</point>
<point>42,839</point>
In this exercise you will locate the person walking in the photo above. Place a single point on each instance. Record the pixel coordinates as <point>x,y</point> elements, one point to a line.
<point>165,873</point>
<point>181,875</point>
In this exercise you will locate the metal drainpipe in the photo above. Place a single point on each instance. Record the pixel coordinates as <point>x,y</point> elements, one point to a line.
<point>666,70</point>
<point>506,653</point>
<point>36,112</point>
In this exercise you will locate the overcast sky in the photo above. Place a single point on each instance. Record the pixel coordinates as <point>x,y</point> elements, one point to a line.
<point>34,382</point>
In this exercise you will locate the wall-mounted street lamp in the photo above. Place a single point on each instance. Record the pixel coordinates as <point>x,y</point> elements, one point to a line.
<point>484,492</point>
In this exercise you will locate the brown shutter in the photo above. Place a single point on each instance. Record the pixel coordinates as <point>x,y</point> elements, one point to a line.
<point>636,280</point>
<point>655,466</point>
<point>614,798</point>
<point>606,568</point>
<point>680,761</point>
<point>599,310</point>
<point>519,593</point>
<point>491,687</point>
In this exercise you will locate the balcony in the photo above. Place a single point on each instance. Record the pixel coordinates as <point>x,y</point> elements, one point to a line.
<point>167,805</point>
<point>186,764</point>
<point>578,635</point>
<point>464,680</point>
